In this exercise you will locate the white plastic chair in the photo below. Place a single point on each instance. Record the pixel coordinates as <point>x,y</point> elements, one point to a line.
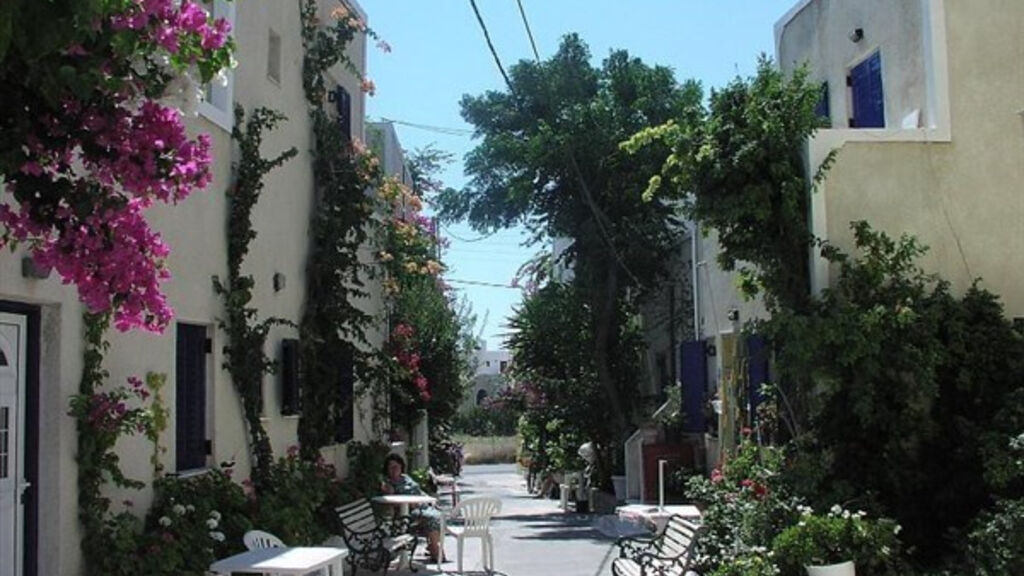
<point>258,540</point>
<point>476,516</point>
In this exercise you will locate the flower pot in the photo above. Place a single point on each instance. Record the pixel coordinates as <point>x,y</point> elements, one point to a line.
<point>843,569</point>
<point>619,484</point>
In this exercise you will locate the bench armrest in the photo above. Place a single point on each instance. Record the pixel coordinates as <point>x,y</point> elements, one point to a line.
<point>633,546</point>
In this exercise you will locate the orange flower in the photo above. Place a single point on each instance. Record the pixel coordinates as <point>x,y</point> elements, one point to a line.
<point>339,12</point>
<point>368,86</point>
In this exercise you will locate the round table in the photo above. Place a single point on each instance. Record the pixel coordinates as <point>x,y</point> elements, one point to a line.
<point>403,501</point>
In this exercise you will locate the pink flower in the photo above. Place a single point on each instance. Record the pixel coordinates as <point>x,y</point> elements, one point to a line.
<point>384,46</point>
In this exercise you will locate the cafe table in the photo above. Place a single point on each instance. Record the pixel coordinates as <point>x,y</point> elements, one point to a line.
<point>403,501</point>
<point>292,561</point>
<point>655,518</point>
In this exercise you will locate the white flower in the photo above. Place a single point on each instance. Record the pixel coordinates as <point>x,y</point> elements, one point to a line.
<point>190,508</point>
<point>164,521</point>
<point>139,65</point>
<point>218,536</point>
<point>211,524</point>
<point>896,529</point>
<point>179,509</point>
<point>836,509</point>
<point>221,78</point>
<point>215,515</point>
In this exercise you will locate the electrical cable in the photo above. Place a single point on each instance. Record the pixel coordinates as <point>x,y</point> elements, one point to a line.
<point>598,215</point>
<point>438,129</point>
<point>529,32</point>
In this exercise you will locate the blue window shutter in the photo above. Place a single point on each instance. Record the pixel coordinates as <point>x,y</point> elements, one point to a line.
<point>693,362</point>
<point>868,95</point>
<point>821,109</point>
<point>190,398</point>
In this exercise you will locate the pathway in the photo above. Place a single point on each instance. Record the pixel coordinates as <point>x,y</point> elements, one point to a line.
<point>532,537</point>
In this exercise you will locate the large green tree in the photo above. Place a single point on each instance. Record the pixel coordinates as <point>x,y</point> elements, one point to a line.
<point>549,158</point>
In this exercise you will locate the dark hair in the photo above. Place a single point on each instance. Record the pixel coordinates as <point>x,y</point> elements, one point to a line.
<point>394,458</point>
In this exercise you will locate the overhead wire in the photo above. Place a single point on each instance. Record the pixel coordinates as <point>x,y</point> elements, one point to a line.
<point>429,128</point>
<point>588,197</point>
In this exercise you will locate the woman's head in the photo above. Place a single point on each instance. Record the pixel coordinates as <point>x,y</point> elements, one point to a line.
<point>394,466</point>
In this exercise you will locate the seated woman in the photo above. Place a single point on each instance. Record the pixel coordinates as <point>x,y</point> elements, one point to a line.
<point>429,518</point>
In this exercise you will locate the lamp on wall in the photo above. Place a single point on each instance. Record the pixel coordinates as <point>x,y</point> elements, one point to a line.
<point>30,269</point>
<point>279,281</point>
<point>856,35</point>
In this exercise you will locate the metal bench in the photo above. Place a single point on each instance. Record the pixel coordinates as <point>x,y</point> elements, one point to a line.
<point>668,554</point>
<point>371,542</point>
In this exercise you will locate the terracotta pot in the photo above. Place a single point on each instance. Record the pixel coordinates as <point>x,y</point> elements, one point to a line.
<point>843,569</point>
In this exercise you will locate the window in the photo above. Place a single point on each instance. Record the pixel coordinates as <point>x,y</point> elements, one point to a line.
<point>218,99</point>
<point>343,103</point>
<point>274,57</point>
<point>3,359</point>
<point>821,109</point>
<point>504,366</point>
<point>488,363</point>
<point>191,443</point>
<point>866,95</point>
<point>291,397</point>
<point>481,395</point>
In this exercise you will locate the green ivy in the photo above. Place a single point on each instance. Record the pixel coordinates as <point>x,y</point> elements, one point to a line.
<point>245,355</point>
<point>333,329</point>
<point>102,417</point>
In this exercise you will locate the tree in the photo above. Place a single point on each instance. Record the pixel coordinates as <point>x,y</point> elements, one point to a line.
<point>742,173</point>
<point>549,159</point>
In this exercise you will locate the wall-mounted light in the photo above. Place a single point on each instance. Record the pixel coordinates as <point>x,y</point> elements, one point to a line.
<point>279,281</point>
<point>733,315</point>
<point>710,350</point>
<point>30,269</point>
<point>856,35</point>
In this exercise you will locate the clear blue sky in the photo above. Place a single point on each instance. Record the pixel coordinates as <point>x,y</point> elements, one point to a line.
<point>439,54</point>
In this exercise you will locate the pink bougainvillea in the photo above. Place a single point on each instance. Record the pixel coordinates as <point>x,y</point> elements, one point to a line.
<point>92,165</point>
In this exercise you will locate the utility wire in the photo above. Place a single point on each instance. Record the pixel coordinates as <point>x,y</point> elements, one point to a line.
<point>429,128</point>
<point>480,283</point>
<point>529,33</point>
<point>487,37</point>
<point>599,217</point>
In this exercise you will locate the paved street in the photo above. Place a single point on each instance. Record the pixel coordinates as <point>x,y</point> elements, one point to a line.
<point>531,536</point>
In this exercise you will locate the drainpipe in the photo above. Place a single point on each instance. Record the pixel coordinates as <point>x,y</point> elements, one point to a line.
<point>694,284</point>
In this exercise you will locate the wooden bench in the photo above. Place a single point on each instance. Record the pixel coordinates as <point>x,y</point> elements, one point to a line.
<point>668,554</point>
<point>371,542</point>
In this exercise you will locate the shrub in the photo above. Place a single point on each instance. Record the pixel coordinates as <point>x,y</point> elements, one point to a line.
<point>297,498</point>
<point>755,562</point>
<point>836,537</point>
<point>193,521</point>
<point>996,543</point>
<point>745,505</point>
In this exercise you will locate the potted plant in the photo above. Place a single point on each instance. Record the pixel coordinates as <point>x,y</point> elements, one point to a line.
<point>835,543</point>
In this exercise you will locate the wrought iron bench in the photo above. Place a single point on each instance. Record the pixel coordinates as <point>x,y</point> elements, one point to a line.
<point>668,554</point>
<point>372,543</point>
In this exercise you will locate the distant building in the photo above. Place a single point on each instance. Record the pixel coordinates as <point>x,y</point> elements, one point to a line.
<point>490,377</point>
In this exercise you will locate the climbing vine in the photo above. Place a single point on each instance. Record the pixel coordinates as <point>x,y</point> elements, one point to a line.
<point>333,329</point>
<point>245,355</point>
<point>102,417</point>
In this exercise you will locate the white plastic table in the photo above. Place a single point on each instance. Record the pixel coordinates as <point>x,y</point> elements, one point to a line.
<point>283,561</point>
<point>403,501</point>
<point>653,517</point>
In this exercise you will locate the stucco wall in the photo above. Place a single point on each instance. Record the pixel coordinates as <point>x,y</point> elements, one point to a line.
<point>819,37</point>
<point>194,229</point>
<point>962,197</point>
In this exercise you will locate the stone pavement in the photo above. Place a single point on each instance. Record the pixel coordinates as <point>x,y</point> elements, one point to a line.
<point>532,537</point>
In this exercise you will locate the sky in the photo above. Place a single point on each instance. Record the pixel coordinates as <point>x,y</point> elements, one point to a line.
<point>438,54</point>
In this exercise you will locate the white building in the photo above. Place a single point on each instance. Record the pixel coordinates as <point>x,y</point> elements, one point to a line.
<point>41,319</point>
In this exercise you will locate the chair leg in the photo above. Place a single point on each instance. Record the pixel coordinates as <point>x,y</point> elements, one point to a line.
<point>490,552</point>
<point>461,541</point>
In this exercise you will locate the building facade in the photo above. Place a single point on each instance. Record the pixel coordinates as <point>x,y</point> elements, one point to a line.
<point>41,329</point>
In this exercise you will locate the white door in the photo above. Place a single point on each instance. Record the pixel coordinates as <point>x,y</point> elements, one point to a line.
<point>12,407</point>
